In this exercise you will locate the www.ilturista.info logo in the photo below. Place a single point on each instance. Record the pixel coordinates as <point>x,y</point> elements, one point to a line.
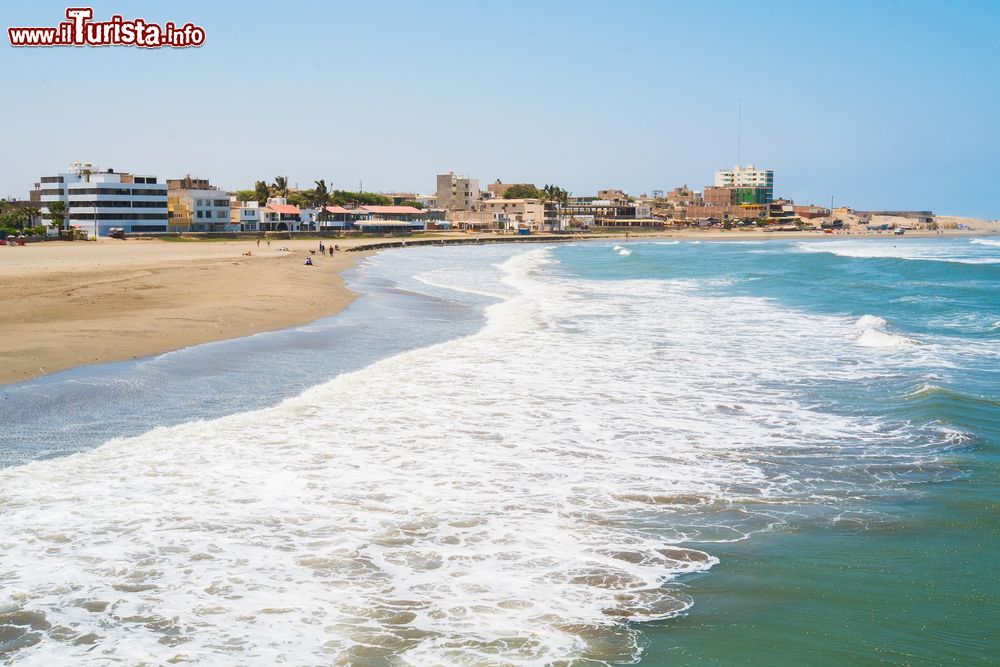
<point>79,30</point>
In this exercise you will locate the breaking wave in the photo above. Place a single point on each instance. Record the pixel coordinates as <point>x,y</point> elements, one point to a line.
<point>871,333</point>
<point>518,496</point>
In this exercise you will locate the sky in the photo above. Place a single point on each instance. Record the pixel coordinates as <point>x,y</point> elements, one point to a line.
<point>877,105</point>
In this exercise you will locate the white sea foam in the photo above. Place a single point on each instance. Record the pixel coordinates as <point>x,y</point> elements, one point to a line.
<point>871,333</point>
<point>507,498</point>
<point>438,278</point>
<point>902,249</point>
<point>624,252</point>
<point>987,242</point>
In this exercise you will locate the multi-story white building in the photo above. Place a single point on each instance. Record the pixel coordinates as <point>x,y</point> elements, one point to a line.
<point>247,215</point>
<point>280,216</point>
<point>97,201</point>
<point>457,193</point>
<point>747,177</point>
<point>196,206</point>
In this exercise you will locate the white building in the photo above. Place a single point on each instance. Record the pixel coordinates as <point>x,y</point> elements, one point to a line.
<point>280,216</point>
<point>746,177</point>
<point>457,193</point>
<point>245,215</point>
<point>196,206</point>
<point>98,201</point>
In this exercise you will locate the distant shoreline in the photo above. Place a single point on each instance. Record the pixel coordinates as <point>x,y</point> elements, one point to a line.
<point>697,234</point>
<point>72,304</point>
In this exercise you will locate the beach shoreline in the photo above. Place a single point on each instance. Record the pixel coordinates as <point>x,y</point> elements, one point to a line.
<point>67,305</point>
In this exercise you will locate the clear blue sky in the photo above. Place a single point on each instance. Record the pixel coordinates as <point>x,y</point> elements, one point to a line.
<point>880,104</point>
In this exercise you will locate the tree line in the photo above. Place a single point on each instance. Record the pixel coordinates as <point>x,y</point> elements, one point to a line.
<point>16,220</point>
<point>547,193</point>
<point>316,197</point>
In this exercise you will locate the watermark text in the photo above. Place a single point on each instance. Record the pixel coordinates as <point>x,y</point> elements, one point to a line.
<point>79,29</point>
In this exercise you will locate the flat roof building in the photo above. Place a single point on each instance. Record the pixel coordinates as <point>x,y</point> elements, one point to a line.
<point>98,201</point>
<point>196,206</point>
<point>747,177</point>
<point>499,189</point>
<point>457,193</point>
<point>516,213</point>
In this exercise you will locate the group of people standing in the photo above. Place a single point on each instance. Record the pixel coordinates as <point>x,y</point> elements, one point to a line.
<point>322,251</point>
<point>332,249</point>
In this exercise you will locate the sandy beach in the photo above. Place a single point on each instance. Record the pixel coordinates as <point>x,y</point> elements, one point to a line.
<point>69,304</point>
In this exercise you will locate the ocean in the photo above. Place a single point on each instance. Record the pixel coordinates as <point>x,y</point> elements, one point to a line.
<point>781,452</point>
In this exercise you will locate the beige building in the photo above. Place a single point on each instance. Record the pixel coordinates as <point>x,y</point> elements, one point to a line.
<point>457,193</point>
<point>612,194</point>
<point>499,188</point>
<point>515,213</point>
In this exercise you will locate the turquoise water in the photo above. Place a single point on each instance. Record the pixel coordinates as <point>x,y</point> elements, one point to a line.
<point>919,585</point>
<point>670,453</point>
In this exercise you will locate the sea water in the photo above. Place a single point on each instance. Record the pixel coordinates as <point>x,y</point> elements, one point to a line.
<point>664,453</point>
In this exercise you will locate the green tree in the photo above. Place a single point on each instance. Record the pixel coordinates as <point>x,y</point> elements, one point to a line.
<point>321,194</point>
<point>57,213</point>
<point>321,199</point>
<point>523,191</point>
<point>556,194</point>
<point>261,192</point>
<point>414,204</point>
<point>280,186</point>
<point>31,214</point>
<point>246,195</point>
<point>342,197</point>
<point>10,219</point>
<point>300,199</point>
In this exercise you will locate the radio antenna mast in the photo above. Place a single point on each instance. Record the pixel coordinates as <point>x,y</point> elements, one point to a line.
<point>739,134</point>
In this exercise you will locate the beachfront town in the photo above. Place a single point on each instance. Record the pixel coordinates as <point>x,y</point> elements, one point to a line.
<point>88,201</point>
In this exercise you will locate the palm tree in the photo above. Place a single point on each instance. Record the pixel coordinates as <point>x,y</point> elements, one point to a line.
<point>555,193</point>
<point>320,199</point>
<point>280,186</point>
<point>30,214</point>
<point>261,192</point>
<point>57,213</point>
<point>321,195</point>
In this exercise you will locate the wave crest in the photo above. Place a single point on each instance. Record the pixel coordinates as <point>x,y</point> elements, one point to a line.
<point>871,333</point>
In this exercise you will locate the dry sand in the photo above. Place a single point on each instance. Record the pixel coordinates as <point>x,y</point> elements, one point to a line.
<point>69,304</point>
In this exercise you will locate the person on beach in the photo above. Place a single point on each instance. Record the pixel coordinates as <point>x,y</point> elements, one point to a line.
<point>309,261</point>
<point>258,243</point>
<point>331,251</point>
<point>321,248</point>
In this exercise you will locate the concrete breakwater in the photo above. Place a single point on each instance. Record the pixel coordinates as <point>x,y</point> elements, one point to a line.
<point>406,243</point>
